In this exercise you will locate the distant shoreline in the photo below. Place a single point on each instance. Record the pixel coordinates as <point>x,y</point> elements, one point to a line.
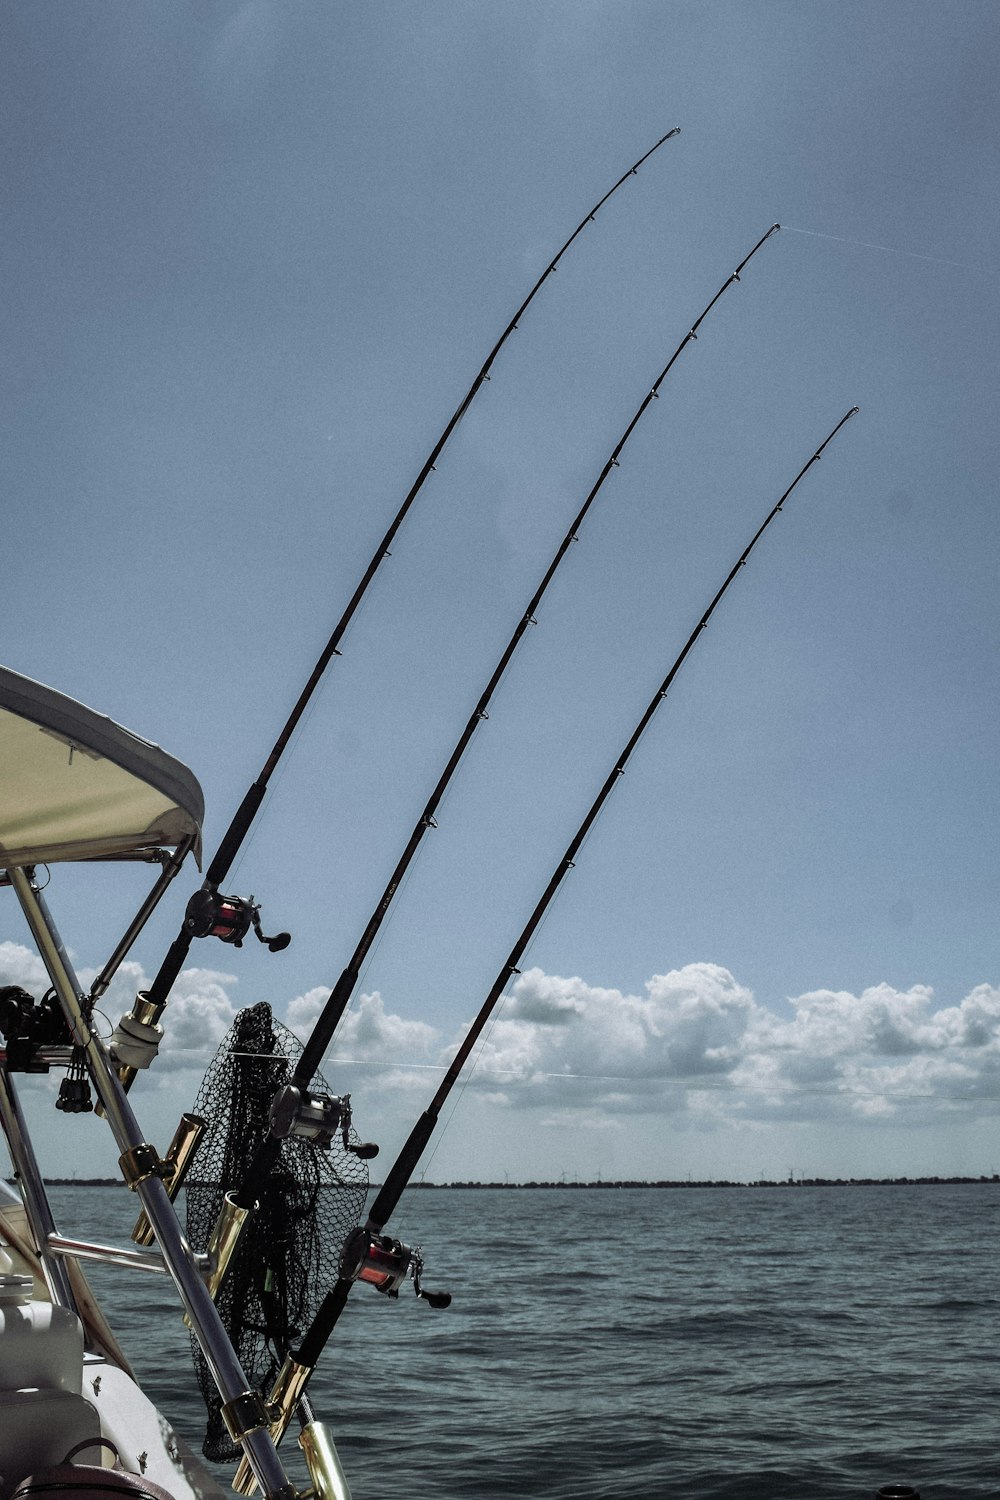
<point>763,1182</point>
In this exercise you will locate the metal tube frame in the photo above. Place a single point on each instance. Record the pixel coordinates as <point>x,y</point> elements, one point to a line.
<point>171,867</point>
<point>243,1408</point>
<point>114,1255</point>
<point>33,1194</point>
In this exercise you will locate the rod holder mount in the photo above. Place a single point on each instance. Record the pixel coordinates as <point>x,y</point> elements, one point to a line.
<point>179,1157</point>
<point>286,1393</point>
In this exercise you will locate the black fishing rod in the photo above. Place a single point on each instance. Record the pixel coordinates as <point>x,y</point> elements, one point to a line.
<point>230,918</point>
<point>329,1019</point>
<point>384,1262</point>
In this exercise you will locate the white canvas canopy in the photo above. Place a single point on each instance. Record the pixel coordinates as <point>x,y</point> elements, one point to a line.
<point>76,785</point>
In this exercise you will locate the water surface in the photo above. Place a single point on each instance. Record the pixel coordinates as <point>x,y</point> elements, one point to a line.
<point>704,1344</point>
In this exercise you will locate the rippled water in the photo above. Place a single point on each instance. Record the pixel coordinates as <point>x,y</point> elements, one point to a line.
<point>702,1344</point>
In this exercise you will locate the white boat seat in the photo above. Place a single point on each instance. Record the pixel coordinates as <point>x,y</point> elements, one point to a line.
<point>37,1429</point>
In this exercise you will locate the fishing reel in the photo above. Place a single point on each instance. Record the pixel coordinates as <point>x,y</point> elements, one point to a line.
<point>229,918</point>
<point>316,1118</point>
<point>385,1263</point>
<point>27,1024</point>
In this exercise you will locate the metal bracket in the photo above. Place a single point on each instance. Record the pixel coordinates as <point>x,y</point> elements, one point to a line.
<point>140,1162</point>
<point>245,1414</point>
<point>288,1388</point>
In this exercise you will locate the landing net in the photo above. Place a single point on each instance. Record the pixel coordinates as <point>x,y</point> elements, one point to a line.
<point>289,1251</point>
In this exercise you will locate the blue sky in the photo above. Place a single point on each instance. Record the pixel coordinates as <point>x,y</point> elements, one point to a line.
<point>254,255</point>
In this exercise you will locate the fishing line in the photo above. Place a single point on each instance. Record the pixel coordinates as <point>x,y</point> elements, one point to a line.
<point>402,1170</point>
<point>709,1085</point>
<point>150,1006</point>
<point>470,1074</point>
<point>406,1162</point>
<point>692,1085</point>
<point>936,260</point>
<point>696,1084</point>
<point>274,785</point>
<point>327,1023</point>
<point>444,1131</point>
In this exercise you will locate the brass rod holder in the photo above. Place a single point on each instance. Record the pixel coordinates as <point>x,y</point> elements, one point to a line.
<point>329,1482</point>
<point>225,1237</point>
<point>149,1013</point>
<point>145,1010</point>
<point>286,1392</point>
<point>180,1154</point>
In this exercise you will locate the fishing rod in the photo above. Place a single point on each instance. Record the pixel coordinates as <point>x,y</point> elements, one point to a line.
<point>294,1097</point>
<point>230,918</point>
<point>295,1109</point>
<point>384,1262</point>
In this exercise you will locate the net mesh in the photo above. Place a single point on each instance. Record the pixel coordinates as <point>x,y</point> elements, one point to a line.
<point>289,1250</point>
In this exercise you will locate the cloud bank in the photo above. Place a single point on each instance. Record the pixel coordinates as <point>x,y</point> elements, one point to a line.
<point>696,1046</point>
<point>698,1040</point>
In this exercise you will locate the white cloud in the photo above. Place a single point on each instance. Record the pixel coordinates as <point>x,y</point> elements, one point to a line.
<point>887,1051</point>
<point>20,966</point>
<point>698,1042</point>
<point>199,1014</point>
<point>690,1023</point>
<point>695,1047</point>
<point>366,1032</point>
<point>370,1039</point>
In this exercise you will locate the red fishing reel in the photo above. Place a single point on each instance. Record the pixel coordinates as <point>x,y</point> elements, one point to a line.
<point>229,918</point>
<point>385,1263</point>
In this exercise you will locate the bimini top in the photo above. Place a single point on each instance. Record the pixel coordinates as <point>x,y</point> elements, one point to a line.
<point>75,785</point>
